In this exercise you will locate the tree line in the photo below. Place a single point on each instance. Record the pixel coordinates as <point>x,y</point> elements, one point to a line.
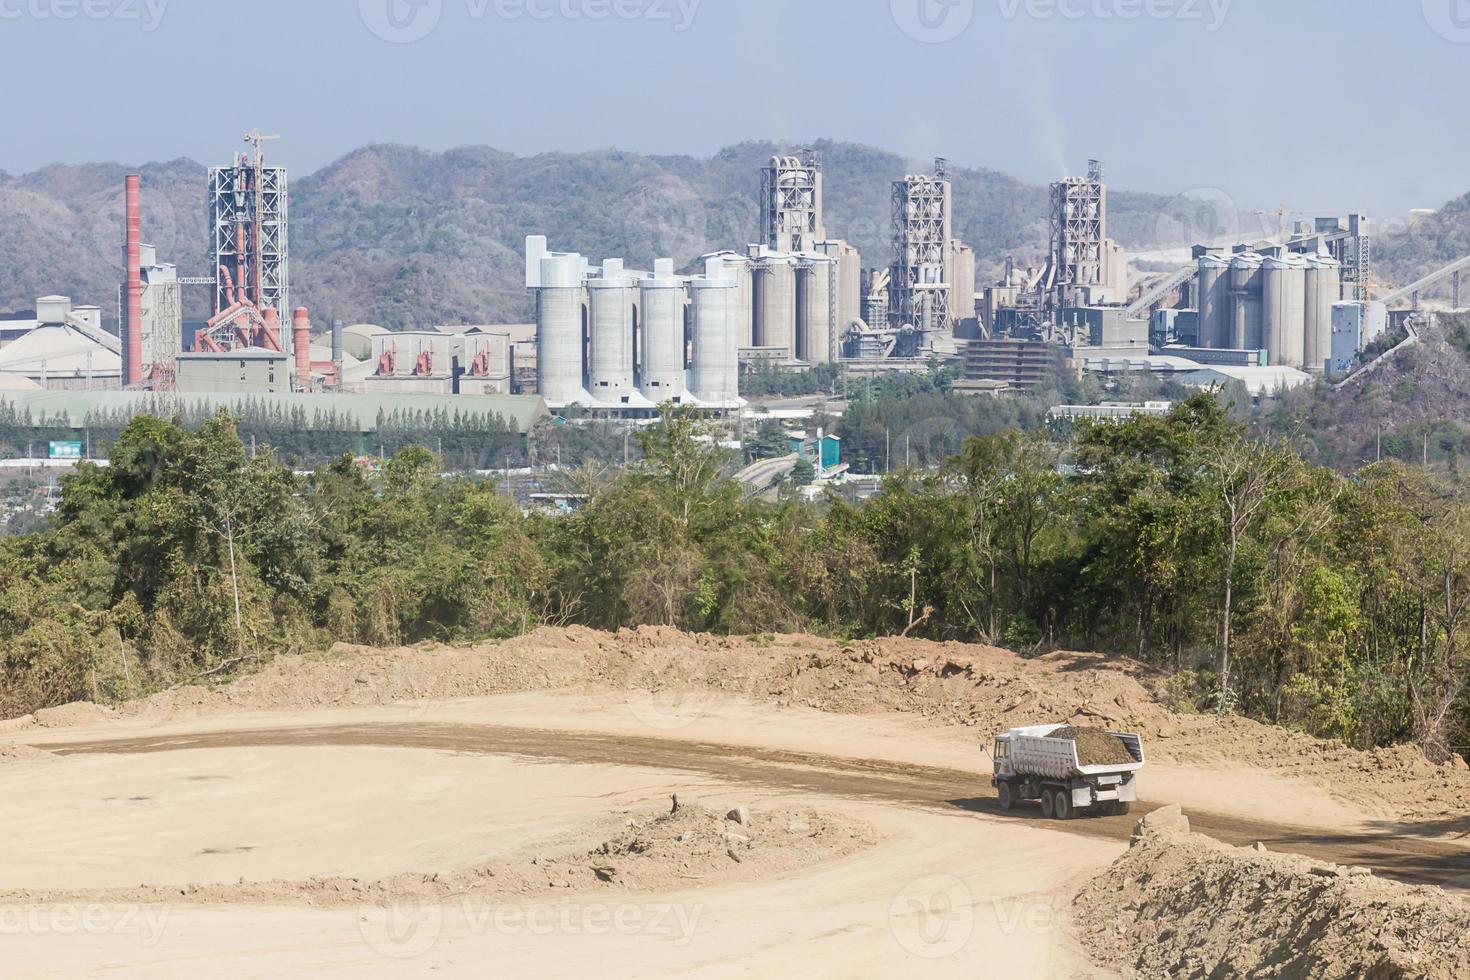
<point>1253,580</point>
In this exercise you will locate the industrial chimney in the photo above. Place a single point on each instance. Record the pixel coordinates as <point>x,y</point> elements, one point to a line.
<point>133,330</point>
<point>301,345</point>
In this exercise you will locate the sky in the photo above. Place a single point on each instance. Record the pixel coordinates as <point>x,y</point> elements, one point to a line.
<point>1315,104</point>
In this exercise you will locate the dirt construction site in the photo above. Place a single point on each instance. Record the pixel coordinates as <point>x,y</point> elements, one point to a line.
<point>651,803</point>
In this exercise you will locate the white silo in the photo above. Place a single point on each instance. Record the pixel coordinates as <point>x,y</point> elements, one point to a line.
<point>559,354</point>
<point>610,301</point>
<point>663,335</point>
<point>1284,309</point>
<point>775,302</point>
<point>1213,286</point>
<point>1245,301</point>
<point>714,369</point>
<point>1324,286</point>
<point>814,327</point>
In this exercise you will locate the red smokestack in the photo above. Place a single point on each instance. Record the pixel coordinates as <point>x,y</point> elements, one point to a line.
<point>301,344</point>
<point>133,332</point>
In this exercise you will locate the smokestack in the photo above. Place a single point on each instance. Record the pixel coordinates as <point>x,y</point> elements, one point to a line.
<point>301,345</point>
<point>337,347</point>
<point>132,333</point>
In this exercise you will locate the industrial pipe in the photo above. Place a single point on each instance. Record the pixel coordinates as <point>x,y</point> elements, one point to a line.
<point>301,345</point>
<point>133,335</point>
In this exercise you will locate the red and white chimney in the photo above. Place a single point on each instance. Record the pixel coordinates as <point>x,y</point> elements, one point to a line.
<point>301,346</point>
<point>132,334</point>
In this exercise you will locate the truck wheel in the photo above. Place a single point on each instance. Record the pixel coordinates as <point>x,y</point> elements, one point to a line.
<point>1063,805</point>
<point>1048,805</point>
<point>1120,809</point>
<point>1007,795</point>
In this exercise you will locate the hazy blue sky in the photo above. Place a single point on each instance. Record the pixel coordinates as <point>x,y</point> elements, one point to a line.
<point>1316,103</point>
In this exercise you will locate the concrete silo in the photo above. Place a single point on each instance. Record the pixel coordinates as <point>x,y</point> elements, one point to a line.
<point>1213,287</point>
<point>1324,286</point>
<point>775,302</point>
<point>557,280</point>
<point>663,335</point>
<point>1284,306</point>
<point>714,369</point>
<point>610,301</point>
<point>1245,301</point>
<point>815,331</point>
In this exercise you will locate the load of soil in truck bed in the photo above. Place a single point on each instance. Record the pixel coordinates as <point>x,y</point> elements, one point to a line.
<point>1096,747</point>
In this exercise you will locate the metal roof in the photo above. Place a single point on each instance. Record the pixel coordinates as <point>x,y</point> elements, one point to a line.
<point>520,411</point>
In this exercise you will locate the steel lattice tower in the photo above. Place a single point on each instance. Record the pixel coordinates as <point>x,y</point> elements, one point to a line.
<point>1079,225</point>
<point>919,291</point>
<point>791,203</point>
<point>248,221</point>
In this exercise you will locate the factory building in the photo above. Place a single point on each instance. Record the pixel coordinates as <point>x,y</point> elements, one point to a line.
<point>65,350</point>
<point>791,203</point>
<point>612,338</point>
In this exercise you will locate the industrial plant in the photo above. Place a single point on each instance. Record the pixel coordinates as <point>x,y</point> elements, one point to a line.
<point>619,341</point>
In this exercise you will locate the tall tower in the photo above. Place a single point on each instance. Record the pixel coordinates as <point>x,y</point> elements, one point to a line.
<point>249,244</point>
<point>791,203</point>
<point>919,288</point>
<point>1079,226</point>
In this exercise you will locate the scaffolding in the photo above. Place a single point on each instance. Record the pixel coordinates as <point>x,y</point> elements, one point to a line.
<point>919,289</point>
<point>791,203</point>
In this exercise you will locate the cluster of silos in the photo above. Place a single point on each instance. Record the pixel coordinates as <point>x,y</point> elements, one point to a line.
<point>1280,303</point>
<point>794,298</point>
<point>610,337</point>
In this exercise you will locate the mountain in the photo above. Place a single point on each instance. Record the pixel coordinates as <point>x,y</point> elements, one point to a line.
<point>405,237</point>
<point>1406,251</point>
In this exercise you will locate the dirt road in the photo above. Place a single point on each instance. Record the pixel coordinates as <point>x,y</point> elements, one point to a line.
<point>1406,859</point>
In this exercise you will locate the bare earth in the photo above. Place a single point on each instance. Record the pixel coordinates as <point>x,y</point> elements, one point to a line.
<point>506,808</point>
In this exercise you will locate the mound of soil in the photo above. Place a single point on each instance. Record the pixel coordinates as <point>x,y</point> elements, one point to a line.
<point>651,853</point>
<point>1096,747</point>
<point>1184,905</point>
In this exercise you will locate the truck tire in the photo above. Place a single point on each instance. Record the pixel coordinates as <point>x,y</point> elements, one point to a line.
<point>1048,804</point>
<point>1121,808</point>
<point>1063,805</point>
<point>1006,794</point>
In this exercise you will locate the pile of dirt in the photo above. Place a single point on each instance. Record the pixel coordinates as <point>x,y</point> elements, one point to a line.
<point>984,688</point>
<point>1183,905</point>
<point>1096,747</point>
<point>693,846</point>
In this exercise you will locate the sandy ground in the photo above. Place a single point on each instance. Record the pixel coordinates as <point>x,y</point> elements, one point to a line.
<point>423,791</point>
<point>937,895</point>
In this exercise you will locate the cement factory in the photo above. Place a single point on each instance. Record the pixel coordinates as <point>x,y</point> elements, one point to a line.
<point>620,342</point>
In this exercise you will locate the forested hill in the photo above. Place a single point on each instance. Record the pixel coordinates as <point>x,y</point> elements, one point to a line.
<point>405,237</point>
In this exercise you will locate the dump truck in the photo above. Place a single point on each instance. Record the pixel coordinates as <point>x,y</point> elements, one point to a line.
<point>1043,763</point>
